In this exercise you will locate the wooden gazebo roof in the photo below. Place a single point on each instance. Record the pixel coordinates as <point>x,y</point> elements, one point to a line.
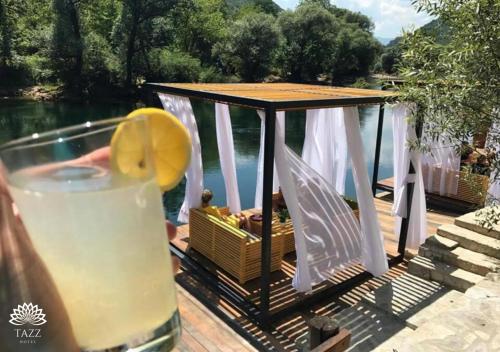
<point>279,96</point>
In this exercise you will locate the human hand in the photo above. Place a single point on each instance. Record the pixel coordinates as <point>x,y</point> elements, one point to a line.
<point>25,278</point>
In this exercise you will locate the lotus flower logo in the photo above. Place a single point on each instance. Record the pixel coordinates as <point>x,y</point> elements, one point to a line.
<point>27,314</point>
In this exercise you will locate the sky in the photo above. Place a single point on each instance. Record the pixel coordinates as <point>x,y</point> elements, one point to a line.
<point>389,16</point>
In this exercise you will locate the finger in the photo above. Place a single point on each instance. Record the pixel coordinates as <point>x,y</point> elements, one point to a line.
<point>171,230</point>
<point>176,265</point>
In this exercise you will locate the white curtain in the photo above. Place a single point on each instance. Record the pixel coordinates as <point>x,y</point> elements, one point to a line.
<point>181,108</point>
<point>441,165</point>
<point>373,257</point>
<point>325,145</point>
<point>402,133</point>
<point>225,145</point>
<point>327,235</point>
<point>280,130</point>
<point>493,143</point>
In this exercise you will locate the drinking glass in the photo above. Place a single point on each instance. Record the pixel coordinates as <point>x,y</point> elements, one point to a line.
<point>99,230</point>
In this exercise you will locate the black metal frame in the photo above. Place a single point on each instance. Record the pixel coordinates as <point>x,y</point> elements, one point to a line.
<point>261,314</point>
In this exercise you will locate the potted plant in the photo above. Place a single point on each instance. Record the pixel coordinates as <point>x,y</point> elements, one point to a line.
<point>283,215</point>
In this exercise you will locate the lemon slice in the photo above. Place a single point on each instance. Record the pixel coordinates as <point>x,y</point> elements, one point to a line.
<point>170,142</point>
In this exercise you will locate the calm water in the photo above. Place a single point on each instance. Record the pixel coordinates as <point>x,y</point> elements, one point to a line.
<point>19,118</point>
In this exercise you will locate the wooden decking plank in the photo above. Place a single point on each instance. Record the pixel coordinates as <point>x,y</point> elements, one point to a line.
<point>207,329</point>
<point>200,330</point>
<point>282,293</point>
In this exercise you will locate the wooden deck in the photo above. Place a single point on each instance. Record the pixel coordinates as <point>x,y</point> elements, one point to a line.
<point>203,331</point>
<point>434,200</point>
<point>282,293</point>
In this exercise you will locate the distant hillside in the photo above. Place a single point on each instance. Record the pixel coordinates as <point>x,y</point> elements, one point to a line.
<point>392,51</point>
<point>268,6</point>
<point>435,28</point>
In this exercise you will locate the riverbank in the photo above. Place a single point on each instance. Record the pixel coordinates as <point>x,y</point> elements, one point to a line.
<point>54,93</point>
<point>57,92</point>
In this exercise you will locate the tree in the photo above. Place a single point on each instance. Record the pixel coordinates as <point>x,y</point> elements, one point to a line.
<point>250,46</point>
<point>358,51</point>
<point>198,26</point>
<point>6,34</point>
<point>309,46</point>
<point>390,59</point>
<point>456,84</point>
<point>133,28</point>
<point>357,18</point>
<point>67,42</point>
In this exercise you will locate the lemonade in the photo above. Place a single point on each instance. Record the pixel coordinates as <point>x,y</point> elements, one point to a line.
<point>103,240</point>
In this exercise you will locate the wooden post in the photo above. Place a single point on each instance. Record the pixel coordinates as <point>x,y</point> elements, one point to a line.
<point>322,329</point>
<point>338,343</point>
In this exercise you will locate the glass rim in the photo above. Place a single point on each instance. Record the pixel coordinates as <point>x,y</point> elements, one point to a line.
<point>102,125</point>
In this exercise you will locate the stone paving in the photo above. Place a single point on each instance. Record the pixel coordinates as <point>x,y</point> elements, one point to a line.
<point>470,323</point>
<point>448,301</point>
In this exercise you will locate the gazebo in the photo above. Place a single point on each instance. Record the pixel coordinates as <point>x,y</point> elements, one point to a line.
<point>273,98</point>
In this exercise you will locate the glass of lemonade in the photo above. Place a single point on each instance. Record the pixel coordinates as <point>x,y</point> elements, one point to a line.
<point>100,233</point>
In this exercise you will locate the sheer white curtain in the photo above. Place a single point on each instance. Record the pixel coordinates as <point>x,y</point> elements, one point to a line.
<point>493,143</point>
<point>327,235</point>
<point>373,257</point>
<point>441,165</point>
<point>225,145</point>
<point>325,145</point>
<point>181,108</point>
<point>280,130</point>
<point>402,133</point>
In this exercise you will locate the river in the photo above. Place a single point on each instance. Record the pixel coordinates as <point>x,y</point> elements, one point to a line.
<point>23,117</point>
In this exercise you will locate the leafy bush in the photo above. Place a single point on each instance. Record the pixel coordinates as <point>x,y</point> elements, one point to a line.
<point>100,64</point>
<point>250,47</point>
<point>172,66</point>
<point>212,75</point>
<point>310,41</point>
<point>40,70</point>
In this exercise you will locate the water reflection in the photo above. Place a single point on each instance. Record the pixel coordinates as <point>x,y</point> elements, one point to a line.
<point>19,118</point>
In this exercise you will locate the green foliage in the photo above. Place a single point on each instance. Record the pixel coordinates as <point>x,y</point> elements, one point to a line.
<point>310,38</point>
<point>250,47</point>
<point>266,6</point>
<point>436,29</point>
<point>356,18</point>
<point>390,59</point>
<point>198,25</point>
<point>94,47</point>
<point>358,51</point>
<point>213,75</point>
<point>455,84</point>
<point>101,65</point>
<point>132,30</point>
<point>6,33</point>
<point>67,42</point>
<point>168,66</point>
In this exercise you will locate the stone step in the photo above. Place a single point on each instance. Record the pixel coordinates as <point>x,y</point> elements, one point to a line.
<point>412,299</point>
<point>449,275</point>
<point>436,241</point>
<point>462,258</point>
<point>470,221</point>
<point>471,240</point>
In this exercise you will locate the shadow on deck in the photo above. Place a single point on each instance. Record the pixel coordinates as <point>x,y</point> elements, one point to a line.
<point>369,326</point>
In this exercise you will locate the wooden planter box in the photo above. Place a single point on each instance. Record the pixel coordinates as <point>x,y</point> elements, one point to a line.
<point>234,250</point>
<point>473,191</point>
